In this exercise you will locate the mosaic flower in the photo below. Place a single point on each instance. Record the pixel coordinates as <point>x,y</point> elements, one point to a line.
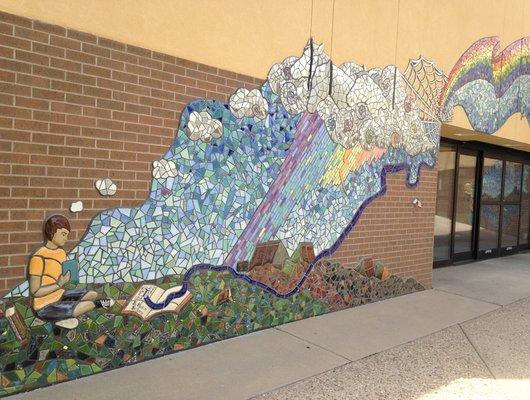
<point>294,97</point>
<point>413,136</point>
<point>408,104</point>
<point>368,133</point>
<point>279,73</point>
<point>331,124</point>
<point>327,108</point>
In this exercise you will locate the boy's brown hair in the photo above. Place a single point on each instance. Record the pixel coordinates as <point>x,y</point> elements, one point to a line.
<point>54,223</point>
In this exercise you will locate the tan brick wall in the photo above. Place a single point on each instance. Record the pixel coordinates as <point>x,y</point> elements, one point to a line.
<point>75,107</point>
<point>392,230</point>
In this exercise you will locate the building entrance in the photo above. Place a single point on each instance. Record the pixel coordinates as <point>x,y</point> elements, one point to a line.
<point>483,202</point>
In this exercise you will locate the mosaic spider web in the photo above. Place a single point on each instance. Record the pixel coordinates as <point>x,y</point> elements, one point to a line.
<point>425,82</point>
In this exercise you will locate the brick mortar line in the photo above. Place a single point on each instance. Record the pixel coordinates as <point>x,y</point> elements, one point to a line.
<point>89,127</point>
<point>77,146</point>
<point>74,146</point>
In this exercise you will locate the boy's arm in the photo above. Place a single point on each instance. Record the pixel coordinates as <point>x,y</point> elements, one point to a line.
<point>36,269</point>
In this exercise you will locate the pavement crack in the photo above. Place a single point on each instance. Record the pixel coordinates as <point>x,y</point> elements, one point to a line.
<point>468,297</point>
<point>476,351</point>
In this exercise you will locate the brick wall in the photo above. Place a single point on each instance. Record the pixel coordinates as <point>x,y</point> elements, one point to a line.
<point>392,230</point>
<point>75,107</point>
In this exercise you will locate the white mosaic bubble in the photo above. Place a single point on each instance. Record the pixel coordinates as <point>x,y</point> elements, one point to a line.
<point>248,103</point>
<point>76,206</point>
<point>202,126</point>
<point>106,187</point>
<point>164,169</point>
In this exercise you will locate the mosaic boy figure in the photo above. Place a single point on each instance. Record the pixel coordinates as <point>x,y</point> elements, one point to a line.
<point>49,299</point>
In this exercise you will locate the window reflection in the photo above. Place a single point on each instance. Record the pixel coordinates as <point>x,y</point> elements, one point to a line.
<point>525,207</point>
<point>444,203</point>
<point>491,179</point>
<point>489,227</point>
<point>512,181</point>
<point>464,203</point>
<point>510,225</point>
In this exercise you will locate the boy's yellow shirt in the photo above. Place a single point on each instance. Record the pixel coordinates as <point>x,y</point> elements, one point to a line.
<point>47,264</point>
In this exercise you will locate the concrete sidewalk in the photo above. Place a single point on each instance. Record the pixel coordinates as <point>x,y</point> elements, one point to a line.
<point>456,338</point>
<point>485,358</point>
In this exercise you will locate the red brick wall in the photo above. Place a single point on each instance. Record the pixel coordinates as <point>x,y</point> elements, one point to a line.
<point>392,230</point>
<point>75,107</point>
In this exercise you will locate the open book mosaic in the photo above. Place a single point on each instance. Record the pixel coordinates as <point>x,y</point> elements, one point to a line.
<point>245,212</point>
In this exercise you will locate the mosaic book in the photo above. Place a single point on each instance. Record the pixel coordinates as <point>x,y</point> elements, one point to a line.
<point>139,308</point>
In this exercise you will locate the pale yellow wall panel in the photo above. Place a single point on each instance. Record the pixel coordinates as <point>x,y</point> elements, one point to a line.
<point>241,36</point>
<point>248,36</point>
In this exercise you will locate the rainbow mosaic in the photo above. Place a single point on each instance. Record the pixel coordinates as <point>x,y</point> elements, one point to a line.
<point>491,85</point>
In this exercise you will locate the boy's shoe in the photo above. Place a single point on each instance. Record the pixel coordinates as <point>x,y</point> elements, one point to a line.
<point>105,303</point>
<point>70,323</point>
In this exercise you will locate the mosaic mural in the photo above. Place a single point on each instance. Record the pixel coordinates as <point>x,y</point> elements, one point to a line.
<point>491,85</point>
<point>245,211</point>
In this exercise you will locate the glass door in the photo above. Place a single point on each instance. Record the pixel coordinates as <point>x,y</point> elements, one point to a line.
<point>500,208</point>
<point>482,203</point>
<point>463,232</point>
<point>443,218</point>
<point>490,207</point>
<point>511,207</point>
<point>524,225</point>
